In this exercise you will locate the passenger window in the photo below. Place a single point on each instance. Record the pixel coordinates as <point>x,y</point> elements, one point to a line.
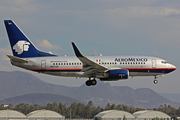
<point>64,63</point>
<point>53,63</point>
<point>74,63</point>
<point>56,63</point>
<point>69,63</point>
<point>61,63</point>
<point>77,63</point>
<point>115,63</point>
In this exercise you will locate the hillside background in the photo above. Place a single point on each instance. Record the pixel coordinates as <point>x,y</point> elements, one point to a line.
<point>17,87</point>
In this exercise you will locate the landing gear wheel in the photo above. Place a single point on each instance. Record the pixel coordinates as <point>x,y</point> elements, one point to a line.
<point>93,82</point>
<point>88,82</point>
<point>155,81</point>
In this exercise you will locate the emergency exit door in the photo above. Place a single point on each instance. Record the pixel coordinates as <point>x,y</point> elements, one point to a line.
<point>43,64</point>
<point>153,63</point>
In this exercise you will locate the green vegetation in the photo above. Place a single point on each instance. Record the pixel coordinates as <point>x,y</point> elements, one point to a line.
<point>124,118</point>
<point>156,118</point>
<point>79,110</point>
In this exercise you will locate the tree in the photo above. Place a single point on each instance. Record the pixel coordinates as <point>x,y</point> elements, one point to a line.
<point>89,108</point>
<point>81,110</point>
<point>124,118</point>
<point>63,109</point>
<point>108,107</point>
<point>119,107</point>
<point>49,106</point>
<point>97,110</point>
<point>23,108</point>
<point>55,107</point>
<point>73,109</point>
<point>113,106</point>
<point>10,106</point>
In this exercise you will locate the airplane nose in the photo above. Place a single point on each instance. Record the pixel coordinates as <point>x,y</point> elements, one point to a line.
<point>173,67</point>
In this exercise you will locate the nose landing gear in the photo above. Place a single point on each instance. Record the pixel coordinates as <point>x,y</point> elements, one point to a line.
<point>91,82</point>
<point>155,81</point>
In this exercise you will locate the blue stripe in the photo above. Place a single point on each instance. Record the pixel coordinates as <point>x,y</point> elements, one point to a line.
<point>152,70</point>
<point>130,70</point>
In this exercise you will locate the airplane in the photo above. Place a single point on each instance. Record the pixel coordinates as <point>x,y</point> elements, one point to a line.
<point>106,68</point>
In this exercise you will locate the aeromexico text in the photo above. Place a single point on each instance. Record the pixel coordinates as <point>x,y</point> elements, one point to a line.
<point>131,59</point>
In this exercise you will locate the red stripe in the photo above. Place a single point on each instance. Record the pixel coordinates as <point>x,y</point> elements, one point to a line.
<point>147,68</point>
<point>56,69</point>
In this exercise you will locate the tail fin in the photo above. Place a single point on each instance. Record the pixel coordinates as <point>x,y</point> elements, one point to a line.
<point>20,44</point>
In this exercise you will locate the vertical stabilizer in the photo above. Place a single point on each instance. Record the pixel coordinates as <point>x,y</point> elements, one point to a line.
<point>20,44</point>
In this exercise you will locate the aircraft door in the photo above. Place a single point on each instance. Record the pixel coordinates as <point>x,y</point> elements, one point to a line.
<point>43,64</point>
<point>153,63</point>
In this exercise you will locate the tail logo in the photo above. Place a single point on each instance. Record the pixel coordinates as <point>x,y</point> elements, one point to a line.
<point>21,46</point>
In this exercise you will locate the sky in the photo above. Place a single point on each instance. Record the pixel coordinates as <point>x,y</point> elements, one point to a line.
<point>107,27</point>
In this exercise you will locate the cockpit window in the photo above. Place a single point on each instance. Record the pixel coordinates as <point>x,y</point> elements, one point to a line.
<point>164,62</point>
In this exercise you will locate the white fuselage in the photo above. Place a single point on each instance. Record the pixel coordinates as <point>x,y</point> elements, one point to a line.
<point>71,66</point>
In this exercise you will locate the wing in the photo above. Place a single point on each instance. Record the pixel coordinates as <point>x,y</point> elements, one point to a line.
<point>90,68</point>
<point>17,59</point>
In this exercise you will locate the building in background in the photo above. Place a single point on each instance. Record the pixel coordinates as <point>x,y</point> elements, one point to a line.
<point>150,114</point>
<point>44,115</point>
<point>105,115</point>
<point>114,115</point>
<point>11,115</point>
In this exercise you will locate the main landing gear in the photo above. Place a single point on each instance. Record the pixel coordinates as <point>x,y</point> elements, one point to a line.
<point>91,82</point>
<point>155,81</point>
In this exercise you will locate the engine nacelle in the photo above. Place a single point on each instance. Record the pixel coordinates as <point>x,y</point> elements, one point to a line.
<point>116,74</point>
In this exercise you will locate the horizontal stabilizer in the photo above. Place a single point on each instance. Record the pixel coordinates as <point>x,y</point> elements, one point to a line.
<point>17,59</point>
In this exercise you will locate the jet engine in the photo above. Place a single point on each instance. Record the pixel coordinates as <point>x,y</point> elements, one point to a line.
<point>117,74</point>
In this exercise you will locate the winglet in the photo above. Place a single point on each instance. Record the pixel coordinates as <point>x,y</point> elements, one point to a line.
<point>76,50</point>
